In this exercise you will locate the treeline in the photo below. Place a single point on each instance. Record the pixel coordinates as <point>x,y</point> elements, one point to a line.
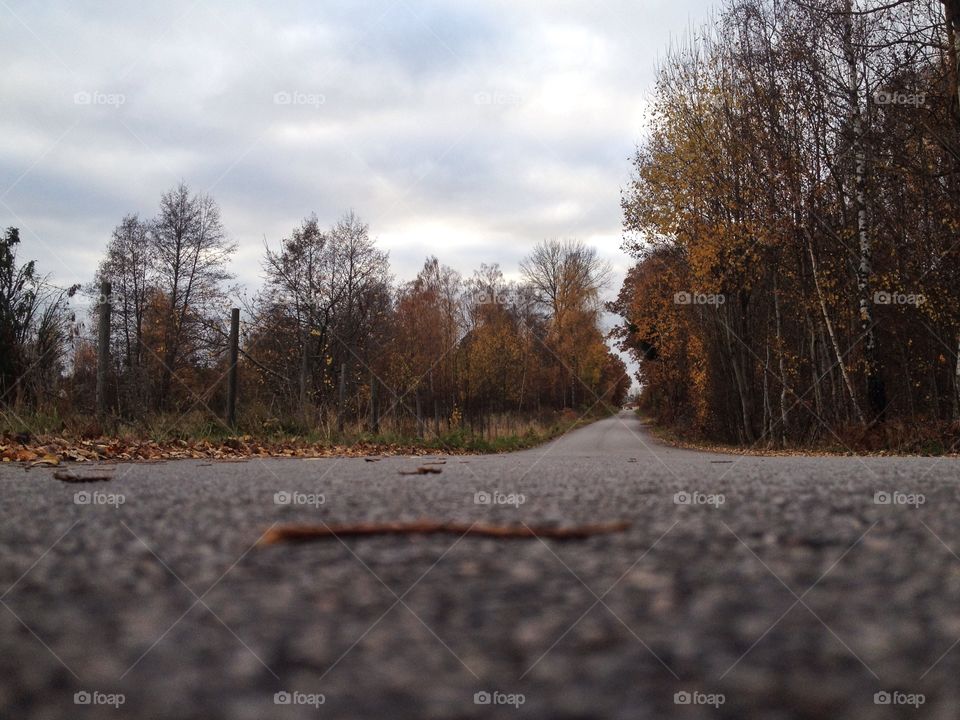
<point>449,349</point>
<point>794,216</point>
<point>330,336</point>
<point>36,329</point>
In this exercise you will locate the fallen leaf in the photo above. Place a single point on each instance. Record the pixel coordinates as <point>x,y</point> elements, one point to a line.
<point>423,470</point>
<point>301,533</point>
<point>46,461</point>
<point>69,477</point>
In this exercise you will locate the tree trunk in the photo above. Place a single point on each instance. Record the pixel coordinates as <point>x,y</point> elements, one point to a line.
<point>956,385</point>
<point>767,408</point>
<point>342,399</point>
<point>876,391</point>
<point>952,13</point>
<point>742,390</point>
<point>833,337</point>
<point>815,370</point>
<point>784,411</point>
<point>304,373</point>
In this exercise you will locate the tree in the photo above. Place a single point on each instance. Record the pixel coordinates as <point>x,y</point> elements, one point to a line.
<point>334,287</point>
<point>567,278</point>
<point>127,268</point>
<point>190,251</point>
<point>19,304</point>
<point>427,325</point>
<point>34,327</point>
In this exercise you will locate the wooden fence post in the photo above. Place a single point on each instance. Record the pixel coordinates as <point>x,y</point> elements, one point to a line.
<point>374,410</point>
<point>419,415</point>
<point>103,348</point>
<point>232,372</point>
<point>342,398</point>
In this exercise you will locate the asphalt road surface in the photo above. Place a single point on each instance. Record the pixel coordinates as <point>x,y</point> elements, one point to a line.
<point>745,587</point>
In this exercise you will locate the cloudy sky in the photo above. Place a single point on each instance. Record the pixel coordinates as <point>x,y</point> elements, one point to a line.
<point>469,129</point>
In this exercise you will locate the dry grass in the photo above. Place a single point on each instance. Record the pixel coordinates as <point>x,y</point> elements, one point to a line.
<point>27,437</point>
<point>894,438</point>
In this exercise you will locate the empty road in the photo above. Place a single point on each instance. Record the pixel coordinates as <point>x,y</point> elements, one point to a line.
<point>782,587</point>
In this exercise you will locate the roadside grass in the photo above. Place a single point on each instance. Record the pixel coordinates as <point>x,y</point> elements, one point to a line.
<point>503,438</point>
<point>196,433</point>
<point>897,438</point>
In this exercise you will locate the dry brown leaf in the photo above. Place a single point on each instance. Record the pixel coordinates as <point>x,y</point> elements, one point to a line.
<point>423,470</point>
<point>302,533</point>
<point>46,461</point>
<point>69,477</point>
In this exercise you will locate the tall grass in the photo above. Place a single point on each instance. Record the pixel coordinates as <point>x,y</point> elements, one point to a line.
<point>501,432</point>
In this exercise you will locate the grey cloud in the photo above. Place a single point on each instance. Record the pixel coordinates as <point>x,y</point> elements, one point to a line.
<point>484,126</point>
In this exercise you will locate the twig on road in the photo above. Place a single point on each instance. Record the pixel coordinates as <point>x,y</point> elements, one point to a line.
<point>300,533</point>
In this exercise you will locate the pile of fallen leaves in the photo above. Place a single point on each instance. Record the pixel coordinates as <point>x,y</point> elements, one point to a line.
<point>41,450</point>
